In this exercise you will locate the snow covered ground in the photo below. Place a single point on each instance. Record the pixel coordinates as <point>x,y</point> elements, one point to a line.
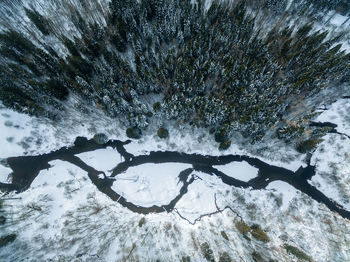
<point>205,196</point>
<point>21,134</point>
<point>189,140</point>
<point>150,184</point>
<point>4,172</point>
<point>286,192</point>
<point>101,159</point>
<point>339,114</point>
<point>63,217</point>
<point>332,157</point>
<point>15,131</point>
<point>334,22</point>
<point>239,170</point>
<point>332,161</point>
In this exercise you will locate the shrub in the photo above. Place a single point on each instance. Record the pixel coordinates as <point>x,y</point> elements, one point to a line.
<point>186,259</point>
<point>257,257</point>
<point>162,133</point>
<point>289,132</point>
<point>224,235</point>
<point>156,106</point>
<point>259,234</point>
<point>100,138</point>
<point>225,145</point>
<point>297,252</point>
<point>119,43</point>
<point>220,136</point>
<point>80,141</point>
<point>71,46</point>
<point>133,132</point>
<point>81,66</point>
<point>207,252</point>
<point>307,145</point>
<point>18,100</point>
<point>224,257</point>
<point>4,240</point>
<point>57,89</point>
<point>242,227</point>
<point>17,40</point>
<point>142,222</point>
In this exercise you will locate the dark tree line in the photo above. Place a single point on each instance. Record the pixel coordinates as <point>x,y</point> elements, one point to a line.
<point>225,68</point>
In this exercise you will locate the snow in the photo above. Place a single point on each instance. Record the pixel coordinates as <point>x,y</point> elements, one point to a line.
<point>59,171</point>
<point>332,161</point>
<point>335,23</point>
<point>75,219</point>
<point>339,114</point>
<point>37,136</point>
<point>4,172</point>
<point>101,159</point>
<point>14,129</point>
<point>58,182</point>
<point>150,184</point>
<point>198,201</point>
<point>239,170</point>
<point>21,134</point>
<point>201,196</point>
<point>286,191</point>
<point>199,141</point>
<point>338,20</point>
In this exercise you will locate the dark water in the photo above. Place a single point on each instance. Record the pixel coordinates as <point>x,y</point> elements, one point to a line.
<point>331,126</point>
<point>26,168</point>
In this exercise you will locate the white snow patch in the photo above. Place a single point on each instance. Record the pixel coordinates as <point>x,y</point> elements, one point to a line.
<point>14,128</point>
<point>199,141</point>
<point>4,173</point>
<point>239,170</point>
<point>21,134</point>
<point>286,191</point>
<point>339,114</point>
<point>198,201</point>
<point>332,161</point>
<point>101,159</point>
<point>58,172</point>
<point>150,184</point>
<point>329,189</point>
<point>200,198</point>
<point>338,20</point>
<point>57,183</point>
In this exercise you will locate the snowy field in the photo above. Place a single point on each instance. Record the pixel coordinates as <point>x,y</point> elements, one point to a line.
<point>239,170</point>
<point>332,157</point>
<point>285,191</point>
<point>63,217</point>
<point>15,131</point>
<point>332,161</point>
<point>204,197</point>
<point>339,114</point>
<point>189,140</point>
<point>150,184</point>
<point>101,159</point>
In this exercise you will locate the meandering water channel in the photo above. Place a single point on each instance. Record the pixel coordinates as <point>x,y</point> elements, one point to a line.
<point>26,169</point>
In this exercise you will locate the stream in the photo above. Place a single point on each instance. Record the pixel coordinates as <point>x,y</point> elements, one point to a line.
<point>26,169</point>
